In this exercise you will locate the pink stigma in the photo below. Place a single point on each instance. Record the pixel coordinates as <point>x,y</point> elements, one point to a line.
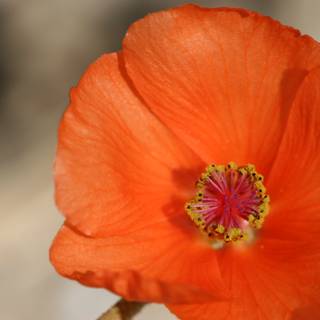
<point>228,201</point>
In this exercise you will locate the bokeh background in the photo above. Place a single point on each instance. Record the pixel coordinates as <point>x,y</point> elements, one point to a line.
<point>45,47</point>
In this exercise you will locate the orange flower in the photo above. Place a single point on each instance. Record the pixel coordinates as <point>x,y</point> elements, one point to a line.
<point>191,87</point>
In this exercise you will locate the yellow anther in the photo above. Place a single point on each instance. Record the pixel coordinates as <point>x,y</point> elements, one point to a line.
<point>220,168</point>
<point>266,199</point>
<point>210,169</point>
<point>234,233</point>
<point>220,229</point>
<point>251,168</point>
<point>260,178</point>
<point>259,223</point>
<point>260,187</point>
<point>251,218</point>
<point>232,165</point>
<point>227,237</point>
<point>256,222</point>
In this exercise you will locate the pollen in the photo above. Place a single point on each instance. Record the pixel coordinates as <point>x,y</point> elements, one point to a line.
<point>229,202</point>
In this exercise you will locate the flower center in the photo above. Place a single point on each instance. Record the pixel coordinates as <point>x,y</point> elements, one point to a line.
<point>230,200</point>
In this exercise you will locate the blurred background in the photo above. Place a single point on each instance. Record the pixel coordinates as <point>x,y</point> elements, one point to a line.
<point>45,47</point>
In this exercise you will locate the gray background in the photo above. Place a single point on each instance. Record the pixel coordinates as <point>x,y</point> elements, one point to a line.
<point>45,47</point>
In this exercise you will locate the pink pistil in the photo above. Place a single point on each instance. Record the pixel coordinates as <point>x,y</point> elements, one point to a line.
<point>229,197</point>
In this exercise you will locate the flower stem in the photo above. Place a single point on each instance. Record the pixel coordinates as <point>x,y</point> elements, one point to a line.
<point>122,310</point>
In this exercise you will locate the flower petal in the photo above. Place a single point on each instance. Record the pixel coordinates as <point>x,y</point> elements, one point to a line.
<point>265,282</point>
<point>118,169</point>
<point>242,305</point>
<point>292,228</point>
<point>121,180</point>
<point>307,312</point>
<point>152,264</point>
<point>222,79</point>
<point>294,181</point>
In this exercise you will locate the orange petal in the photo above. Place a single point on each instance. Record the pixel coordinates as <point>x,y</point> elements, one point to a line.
<point>265,283</point>
<point>291,230</point>
<point>242,305</point>
<point>159,263</point>
<point>294,182</point>
<point>121,180</point>
<point>306,312</point>
<point>222,79</point>
<point>237,272</point>
<point>118,169</point>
